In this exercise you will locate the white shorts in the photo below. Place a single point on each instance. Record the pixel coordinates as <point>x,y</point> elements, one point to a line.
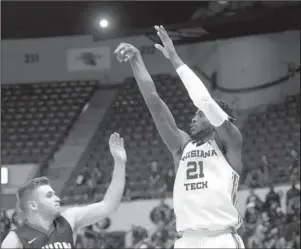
<point>197,239</point>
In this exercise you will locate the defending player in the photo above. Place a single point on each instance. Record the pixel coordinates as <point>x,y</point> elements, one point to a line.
<point>46,227</point>
<point>208,162</point>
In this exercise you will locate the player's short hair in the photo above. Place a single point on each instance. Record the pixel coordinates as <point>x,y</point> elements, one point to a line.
<point>227,109</point>
<point>26,190</point>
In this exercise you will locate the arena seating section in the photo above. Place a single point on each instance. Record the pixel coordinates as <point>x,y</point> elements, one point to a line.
<point>274,133</point>
<point>128,115</point>
<point>37,117</point>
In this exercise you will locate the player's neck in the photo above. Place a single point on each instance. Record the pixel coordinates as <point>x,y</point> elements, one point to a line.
<point>39,221</point>
<point>205,136</point>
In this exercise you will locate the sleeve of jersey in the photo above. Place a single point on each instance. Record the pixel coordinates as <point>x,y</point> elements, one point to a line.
<point>201,97</point>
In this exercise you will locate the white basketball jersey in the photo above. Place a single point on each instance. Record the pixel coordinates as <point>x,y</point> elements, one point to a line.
<point>205,190</point>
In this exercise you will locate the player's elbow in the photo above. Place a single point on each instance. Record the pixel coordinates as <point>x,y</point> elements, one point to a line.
<point>110,206</point>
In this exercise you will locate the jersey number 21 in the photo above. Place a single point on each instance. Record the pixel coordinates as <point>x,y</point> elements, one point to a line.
<point>194,170</point>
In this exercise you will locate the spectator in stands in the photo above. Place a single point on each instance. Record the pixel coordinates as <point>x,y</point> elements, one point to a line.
<point>155,180</point>
<point>252,216</point>
<point>254,178</point>
<point>154,173</point>
<point>265,170</point>
<point>83,177</point>
<point>259,176</point>
<point>294,168</point>
<point>275,214</point>
<point>294,155</point>
<point>145,243</point>
<point>90,237</point>
<point>91,189</point>
<point>292,232</point>
<point>275,240</point>
<point>292,201</point>
<point>271,197</point>
<point>161,213</point>
<point>97,175</point>
<point>255,199</point>
<point>127,189</point>
<point>139,236</point>
<point>102,225</point>
<point>169,179</point>
<point>257,240</point>
<point>160,236</point>
<point>95,233</point>
<point>5,224</point>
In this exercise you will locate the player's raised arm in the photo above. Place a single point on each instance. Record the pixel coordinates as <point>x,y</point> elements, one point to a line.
<point>90,214</point>
<point>199,94</point>
<point>166,125</point>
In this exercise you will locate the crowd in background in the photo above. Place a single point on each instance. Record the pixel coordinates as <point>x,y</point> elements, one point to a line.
<point>261,176</point>
<point>266,225</point>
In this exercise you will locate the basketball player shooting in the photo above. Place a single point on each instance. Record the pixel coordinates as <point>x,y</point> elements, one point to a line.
<point>207,161</point>
<point>46,227</point>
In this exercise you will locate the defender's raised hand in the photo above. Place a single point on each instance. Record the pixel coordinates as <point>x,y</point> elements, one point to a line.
<point>125,52</point>
<point>168,49</point>
<point>117,148</point>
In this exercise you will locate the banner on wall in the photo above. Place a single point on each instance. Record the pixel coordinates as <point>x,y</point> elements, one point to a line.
<point>89,59</point>
<point>11,178</point>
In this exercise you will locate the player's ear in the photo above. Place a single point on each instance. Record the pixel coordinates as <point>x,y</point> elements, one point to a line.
<point>32,205</point>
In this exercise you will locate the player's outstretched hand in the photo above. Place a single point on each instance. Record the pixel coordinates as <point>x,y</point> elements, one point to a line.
<point>125,52</point>
<point>168,49</point>
<point>117,148</point>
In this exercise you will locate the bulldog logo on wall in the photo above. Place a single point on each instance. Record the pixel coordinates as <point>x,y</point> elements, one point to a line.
<point>89,58</point>
<point>85,59</point>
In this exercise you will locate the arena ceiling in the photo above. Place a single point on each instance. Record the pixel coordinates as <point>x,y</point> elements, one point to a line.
<point>190,21</point>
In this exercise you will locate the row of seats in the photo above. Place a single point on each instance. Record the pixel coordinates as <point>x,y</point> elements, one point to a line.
<point>36,117</point>
<point>129,115</point>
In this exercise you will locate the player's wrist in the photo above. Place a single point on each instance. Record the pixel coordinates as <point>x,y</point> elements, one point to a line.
<point>136,55</point>
<point>173,54</point>
<point>176,60</point>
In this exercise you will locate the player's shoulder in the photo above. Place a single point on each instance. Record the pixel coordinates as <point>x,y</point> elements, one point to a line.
<point>60,220</point>
<point>68,217</point>
<point>185,139</point>
<point>64,221</point>
<point>233,157</point>
<point>12,240</point>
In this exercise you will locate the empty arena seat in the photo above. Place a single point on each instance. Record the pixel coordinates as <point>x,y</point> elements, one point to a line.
<point>42,112</point>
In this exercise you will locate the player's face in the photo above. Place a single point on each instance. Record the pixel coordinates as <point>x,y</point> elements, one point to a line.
<point>198,123</point>
<point>47,202</point>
